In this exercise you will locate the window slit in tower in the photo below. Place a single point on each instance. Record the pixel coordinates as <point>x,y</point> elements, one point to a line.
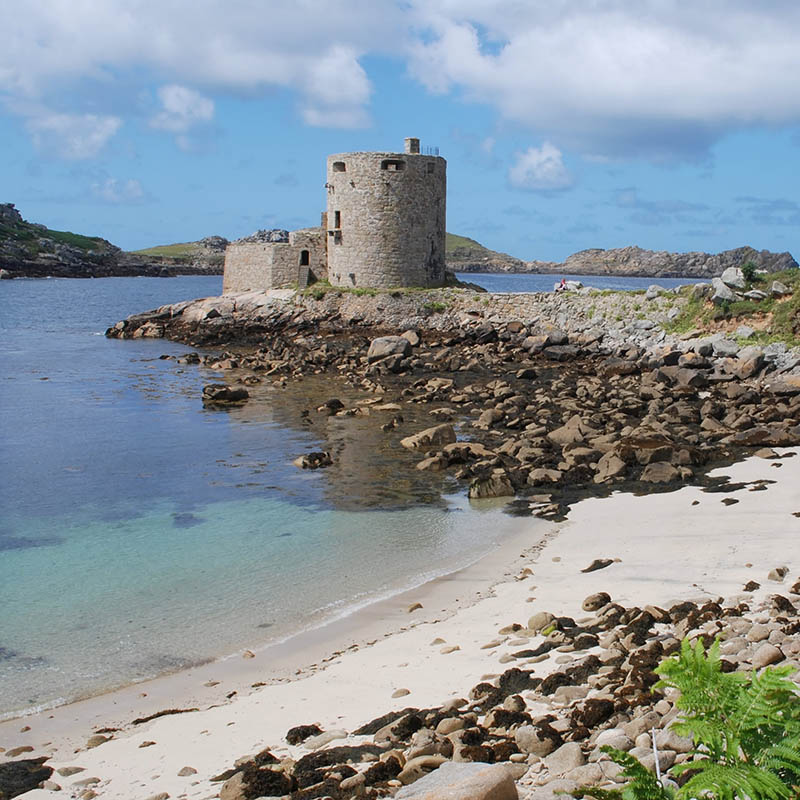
<point>337,219</point>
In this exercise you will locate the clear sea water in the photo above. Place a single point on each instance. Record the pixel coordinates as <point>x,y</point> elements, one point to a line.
<point>140,533</point>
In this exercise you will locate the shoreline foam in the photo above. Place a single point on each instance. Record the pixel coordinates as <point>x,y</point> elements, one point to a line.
<point>670,548</point>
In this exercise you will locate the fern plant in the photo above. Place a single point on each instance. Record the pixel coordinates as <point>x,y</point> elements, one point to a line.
<point>745,730</point>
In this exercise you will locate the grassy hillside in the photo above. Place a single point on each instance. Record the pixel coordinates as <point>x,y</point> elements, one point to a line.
<point>27,235</point>
<point>463,253</point>
<point>180,250</point>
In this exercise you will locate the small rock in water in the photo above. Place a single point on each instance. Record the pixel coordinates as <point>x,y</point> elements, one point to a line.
<point>248,654</point>
<point>222,394</point>
<point>414,607</point>
<point>315,460</point>
<point>400,692</point>
<point>186,771</point>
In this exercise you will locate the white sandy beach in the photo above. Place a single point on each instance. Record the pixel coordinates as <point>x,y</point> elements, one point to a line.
<point>668,547</point>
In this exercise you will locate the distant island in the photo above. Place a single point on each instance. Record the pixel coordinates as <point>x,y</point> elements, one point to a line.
<point>31,250</point>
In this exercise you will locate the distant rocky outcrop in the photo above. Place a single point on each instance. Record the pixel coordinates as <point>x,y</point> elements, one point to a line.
<point>30,250</point>
<point>271,235</point>
<point>637,262</point>
<point>466,255</point>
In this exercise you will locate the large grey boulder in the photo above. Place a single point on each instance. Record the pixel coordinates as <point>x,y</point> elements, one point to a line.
<point>385,346</point>
<point>463,781</point>
<point>725,348</point>
<point>778,289</point>
<point>734,278</point>
<point>722,293</point>
<point>567,757</point>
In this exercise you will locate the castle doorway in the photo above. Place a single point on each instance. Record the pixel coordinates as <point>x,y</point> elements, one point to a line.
<point>304,258</point>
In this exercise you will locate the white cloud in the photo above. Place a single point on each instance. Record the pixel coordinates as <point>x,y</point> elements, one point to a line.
<point>654,78</point>
<point>540,169</point>
<point>57,48</point>
<point>71,136</point>
<point>118,192</point>
<point>181,108</point>
<point>658,78</point>
<point>336,90</point>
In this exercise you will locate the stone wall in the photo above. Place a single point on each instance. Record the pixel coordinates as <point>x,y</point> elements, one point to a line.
<point>386,219</point>
<point>258,266</point>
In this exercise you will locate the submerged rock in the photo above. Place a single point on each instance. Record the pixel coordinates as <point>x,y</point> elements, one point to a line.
<point>222,394</point>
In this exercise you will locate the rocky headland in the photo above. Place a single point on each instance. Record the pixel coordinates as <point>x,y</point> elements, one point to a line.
<point>636,262</point>
<point>466,255</point>
<point>30,250</point>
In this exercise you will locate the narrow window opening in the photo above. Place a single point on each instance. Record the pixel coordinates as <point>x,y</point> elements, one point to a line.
<point>393,165</point>
<point>304,262</point>
<point>337,219</point>
<point>339,166</point>
<point>430,168</point>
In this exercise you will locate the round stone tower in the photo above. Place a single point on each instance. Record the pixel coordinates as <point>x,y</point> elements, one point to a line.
<point>386,218</point>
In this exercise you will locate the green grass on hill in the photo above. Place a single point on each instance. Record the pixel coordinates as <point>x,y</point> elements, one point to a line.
<point>454,242</point>
<point>180,250</point>
<point>28,236</point>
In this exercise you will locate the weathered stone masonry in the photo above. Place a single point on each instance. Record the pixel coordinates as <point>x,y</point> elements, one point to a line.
<point>256,266</point>
<point>384,227</point>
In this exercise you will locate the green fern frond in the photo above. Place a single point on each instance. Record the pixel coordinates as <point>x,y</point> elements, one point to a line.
<point>643,784</point>
<point>733,782</point>
<point>782,758</point>
<point>598,794</point>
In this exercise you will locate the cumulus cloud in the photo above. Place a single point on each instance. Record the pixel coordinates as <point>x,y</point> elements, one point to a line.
<point>654,78</point>
<point>660,79</point>
<point>71,136</point>
<point>117,192</point>
<point>540,169</point>
<point>181,108</point>
<point>311,47</point>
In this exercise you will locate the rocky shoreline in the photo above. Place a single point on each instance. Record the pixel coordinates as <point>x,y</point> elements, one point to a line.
<point>541,399</point>
<point>30,250</point>
<point>638,262</point>
<point>523,736</point>
<point>554,398</point>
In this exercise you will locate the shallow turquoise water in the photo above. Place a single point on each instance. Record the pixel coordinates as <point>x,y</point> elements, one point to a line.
<point>140,533</point>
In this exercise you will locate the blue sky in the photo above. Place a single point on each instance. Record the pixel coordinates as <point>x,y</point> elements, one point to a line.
<point>567,124</point>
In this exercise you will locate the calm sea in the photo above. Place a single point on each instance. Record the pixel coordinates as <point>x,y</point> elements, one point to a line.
<point>140,533</point>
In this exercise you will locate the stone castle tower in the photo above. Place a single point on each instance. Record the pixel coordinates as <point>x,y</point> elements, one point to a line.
<point>386,218</point>
<point>384,227</point>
